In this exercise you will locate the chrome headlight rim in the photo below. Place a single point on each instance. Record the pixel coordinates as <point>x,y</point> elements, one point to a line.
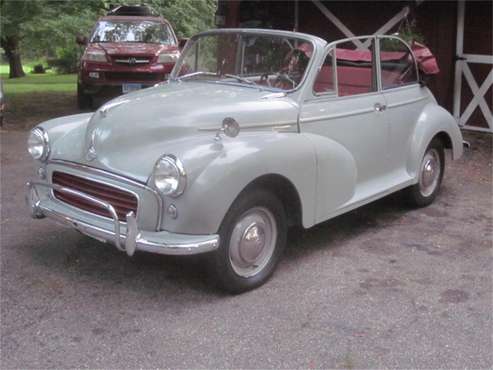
<point>45,142</point>
<point>182,175</point>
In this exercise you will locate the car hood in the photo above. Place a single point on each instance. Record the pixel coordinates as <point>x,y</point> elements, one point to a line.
<point>134,48</point>
<point>131,132</point>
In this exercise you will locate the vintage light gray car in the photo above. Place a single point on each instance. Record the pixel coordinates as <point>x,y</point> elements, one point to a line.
<point>256,131</point>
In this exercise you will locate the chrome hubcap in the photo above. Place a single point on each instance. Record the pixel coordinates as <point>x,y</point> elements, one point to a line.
<point>430,173</point>
<point>253,241</point>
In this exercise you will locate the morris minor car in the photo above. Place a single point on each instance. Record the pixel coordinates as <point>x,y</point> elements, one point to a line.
<point>255,132</point>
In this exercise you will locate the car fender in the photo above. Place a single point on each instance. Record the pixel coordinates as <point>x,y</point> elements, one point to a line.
<point>432,121</point>
<point>66,135</point>
<point>310,163</point>
<point>219,171</point>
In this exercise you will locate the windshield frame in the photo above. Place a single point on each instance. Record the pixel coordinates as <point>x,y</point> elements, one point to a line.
<point>261,32</point>
<point>160,21</point>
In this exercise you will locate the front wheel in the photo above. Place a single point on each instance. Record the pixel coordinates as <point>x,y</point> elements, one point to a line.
<point>253,237</point>
<point>84,101</point>
<point>430,176</point>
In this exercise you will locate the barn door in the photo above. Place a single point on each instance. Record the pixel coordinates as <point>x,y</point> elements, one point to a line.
<point>474,67</point>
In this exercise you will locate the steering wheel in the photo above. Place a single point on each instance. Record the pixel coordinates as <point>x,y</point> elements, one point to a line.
<point>283,78</point>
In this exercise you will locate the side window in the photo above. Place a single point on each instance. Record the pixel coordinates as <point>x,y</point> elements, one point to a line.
<point>324,83</point>
<point>356,68</point>
<point>397,63</point>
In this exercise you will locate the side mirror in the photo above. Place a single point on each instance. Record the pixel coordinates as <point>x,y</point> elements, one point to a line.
<point>81,40</point>
<point>182,43</point>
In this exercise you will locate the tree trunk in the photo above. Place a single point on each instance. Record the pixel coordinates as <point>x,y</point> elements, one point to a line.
<point>11,46</point>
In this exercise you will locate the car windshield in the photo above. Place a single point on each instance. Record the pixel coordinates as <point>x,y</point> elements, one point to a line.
<point>270,61</point>
<point>133,31</point>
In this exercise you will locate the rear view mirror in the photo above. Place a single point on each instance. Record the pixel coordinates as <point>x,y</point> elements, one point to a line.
<point>81,40</point>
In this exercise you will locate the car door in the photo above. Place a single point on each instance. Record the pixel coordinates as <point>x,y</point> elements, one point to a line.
<point>348,108</point>
<point>405,98</point>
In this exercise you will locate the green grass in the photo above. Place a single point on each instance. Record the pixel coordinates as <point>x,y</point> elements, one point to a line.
<point>37,97</point>
<point>27,67</point>
<point>47,82</point>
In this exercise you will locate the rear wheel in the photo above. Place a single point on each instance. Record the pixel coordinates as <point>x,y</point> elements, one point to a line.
<point>84,101</point>
<point>430,176</point>
<point>253,237</point>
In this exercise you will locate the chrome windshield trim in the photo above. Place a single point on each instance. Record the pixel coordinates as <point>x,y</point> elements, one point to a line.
<point>315,41</point>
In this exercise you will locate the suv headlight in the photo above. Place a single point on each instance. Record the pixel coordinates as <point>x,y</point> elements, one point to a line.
<point>168,57</point>
<point>169,176</point>
<point>95,56</point>
<point>38,145</point>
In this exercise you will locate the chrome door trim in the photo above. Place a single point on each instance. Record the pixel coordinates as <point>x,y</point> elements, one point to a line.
<point>407,102</point>
<point>334,116</point>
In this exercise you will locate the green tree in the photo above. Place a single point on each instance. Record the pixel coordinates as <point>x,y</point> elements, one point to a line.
<point>53,34</point>
<point>13,14</point>
<point>47,28</point>
<point>187,16</point>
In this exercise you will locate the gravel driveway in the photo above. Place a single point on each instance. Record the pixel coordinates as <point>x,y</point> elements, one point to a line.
<point>383,286</point>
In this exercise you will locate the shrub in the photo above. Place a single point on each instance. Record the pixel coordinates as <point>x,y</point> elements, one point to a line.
<point>38,68</point>
<point>66,60</point>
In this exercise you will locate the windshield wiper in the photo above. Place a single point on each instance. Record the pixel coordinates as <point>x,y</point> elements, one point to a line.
<point>239,78</point>
<point>198,73</point>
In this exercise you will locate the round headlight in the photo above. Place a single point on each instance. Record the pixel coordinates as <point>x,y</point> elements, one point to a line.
<point>169,176</point>
<point>37,144</point>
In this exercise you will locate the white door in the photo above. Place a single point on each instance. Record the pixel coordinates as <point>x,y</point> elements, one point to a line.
<point>405,99</point>
<point>348,108</point>
<point>478,88</point>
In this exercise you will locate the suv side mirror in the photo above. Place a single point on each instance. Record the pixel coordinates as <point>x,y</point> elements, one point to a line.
<point>182,43</point>
<point>81,40</point>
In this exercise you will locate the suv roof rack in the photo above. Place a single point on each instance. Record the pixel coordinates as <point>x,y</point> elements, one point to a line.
<point>133,10</point>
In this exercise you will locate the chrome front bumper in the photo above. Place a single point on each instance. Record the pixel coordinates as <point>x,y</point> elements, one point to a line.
<point>126,237</point>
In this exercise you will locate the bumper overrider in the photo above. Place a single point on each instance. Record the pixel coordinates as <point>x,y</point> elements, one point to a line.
<point>125,236</point>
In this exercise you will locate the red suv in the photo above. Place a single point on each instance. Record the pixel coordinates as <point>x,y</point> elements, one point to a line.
<point>130,48</point>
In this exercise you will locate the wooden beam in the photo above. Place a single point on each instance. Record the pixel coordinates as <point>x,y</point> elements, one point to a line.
<point>331,17</point>
<point>459,49</point>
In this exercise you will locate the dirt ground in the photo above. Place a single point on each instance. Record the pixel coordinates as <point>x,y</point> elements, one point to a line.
<point>382,286</point>
<point>24,111</point>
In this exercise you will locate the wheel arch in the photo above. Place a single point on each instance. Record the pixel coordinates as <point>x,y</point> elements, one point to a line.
<point>285,190</point>
<point>444,138</point>
<point>434,122</point>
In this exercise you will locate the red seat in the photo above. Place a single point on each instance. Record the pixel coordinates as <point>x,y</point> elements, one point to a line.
<point>354,80</point>
<point>324,81</point>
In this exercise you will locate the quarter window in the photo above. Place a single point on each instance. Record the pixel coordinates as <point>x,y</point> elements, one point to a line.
<point>397,63</point>
<point>325,79</point>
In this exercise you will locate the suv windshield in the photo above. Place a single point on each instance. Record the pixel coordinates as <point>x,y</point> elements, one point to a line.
<point>133,31</point>
<point>271,61</point>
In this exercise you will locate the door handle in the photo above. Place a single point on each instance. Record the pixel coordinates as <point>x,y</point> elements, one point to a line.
<point>379,107</point>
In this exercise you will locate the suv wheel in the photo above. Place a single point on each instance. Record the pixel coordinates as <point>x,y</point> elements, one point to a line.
<point>84,101</point>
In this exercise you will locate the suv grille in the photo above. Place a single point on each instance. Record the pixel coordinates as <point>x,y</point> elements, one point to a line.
<point>133,76</point>
<point>123,201</point>
<point>129,60</point>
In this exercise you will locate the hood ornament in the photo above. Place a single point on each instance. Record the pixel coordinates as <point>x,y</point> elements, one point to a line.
<point>91,152</point>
